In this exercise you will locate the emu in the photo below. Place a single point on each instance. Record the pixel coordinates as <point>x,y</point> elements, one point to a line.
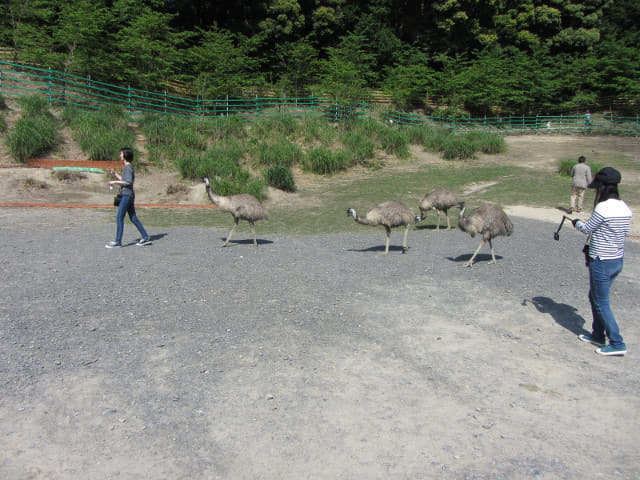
<point>490,222</point>
<point>242,207</point>
<point>388,214</point>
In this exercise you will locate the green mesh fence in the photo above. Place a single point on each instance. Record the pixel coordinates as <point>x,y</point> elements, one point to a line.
<point>65,89</point>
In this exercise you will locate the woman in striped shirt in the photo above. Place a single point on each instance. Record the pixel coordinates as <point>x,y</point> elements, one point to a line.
<point>607,228</point>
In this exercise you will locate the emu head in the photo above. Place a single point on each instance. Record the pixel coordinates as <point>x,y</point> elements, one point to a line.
<point>417,219</point>
<point>351,212</point>
<point>206,182</point>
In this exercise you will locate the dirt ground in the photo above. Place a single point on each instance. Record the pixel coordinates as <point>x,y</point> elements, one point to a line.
<point>310,357</point>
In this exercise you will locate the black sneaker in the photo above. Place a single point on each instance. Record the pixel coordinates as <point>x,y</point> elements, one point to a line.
<point>142,242</point>
<point>113,245</point>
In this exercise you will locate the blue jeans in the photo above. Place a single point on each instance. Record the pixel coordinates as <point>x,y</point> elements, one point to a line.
<point>126,206</point>
<point>602,273</point>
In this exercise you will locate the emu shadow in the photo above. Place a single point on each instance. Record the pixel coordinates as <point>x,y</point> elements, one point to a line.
<point>564,315</point>
<point>379,248</point>
<point>481,257</point>
<point>246,241</point>
<point>428,227</point>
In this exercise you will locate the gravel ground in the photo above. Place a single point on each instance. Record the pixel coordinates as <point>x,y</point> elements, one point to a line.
<point>309,357</point>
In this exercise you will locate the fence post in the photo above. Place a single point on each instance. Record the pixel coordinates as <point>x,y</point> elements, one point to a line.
<point>129,99</point>
<point>49,81</point>
<point>227,104</point>
<point>165,101</point>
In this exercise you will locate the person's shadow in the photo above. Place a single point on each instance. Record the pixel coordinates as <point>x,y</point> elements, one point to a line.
<point>564,315</point>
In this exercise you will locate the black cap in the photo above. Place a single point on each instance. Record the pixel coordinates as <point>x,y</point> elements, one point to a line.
<point>606,176</point>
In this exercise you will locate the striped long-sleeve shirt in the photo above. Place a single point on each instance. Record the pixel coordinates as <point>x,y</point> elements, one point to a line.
<point>609,224</point>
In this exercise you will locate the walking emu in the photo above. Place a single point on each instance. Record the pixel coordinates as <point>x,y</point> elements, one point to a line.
<point>388,214</point>
<point>440,200</point>
<point>490,222</point>
<point>242,207</point>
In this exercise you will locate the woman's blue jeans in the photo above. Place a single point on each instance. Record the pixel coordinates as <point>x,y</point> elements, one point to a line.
<point>126,206</point>
<point>602,273</point>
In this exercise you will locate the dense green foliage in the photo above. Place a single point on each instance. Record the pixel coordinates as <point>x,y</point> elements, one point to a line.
<point>477,56</point>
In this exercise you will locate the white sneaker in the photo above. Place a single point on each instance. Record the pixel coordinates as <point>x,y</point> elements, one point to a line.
<point>113,245</point>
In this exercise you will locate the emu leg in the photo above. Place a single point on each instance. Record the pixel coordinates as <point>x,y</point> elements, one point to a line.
<point>492,255</point>
<point>405,247</point>
<point>388,230</point>
<point>446,214</point>
<point>470,262</point>
<point>235,224</point>
<point>253,229</point>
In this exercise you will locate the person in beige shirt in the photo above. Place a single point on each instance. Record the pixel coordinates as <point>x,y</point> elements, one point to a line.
<point>580,179</point>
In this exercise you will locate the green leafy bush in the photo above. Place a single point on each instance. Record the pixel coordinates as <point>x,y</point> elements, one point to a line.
<point>281,177</point>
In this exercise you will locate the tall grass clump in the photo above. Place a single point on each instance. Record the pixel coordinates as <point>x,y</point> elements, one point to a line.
<point>281,177</point>
<point>567,164</point>
<point>35,133</point>
<point>435,139</point>
<point>358,147</point>
<point>458,148</point>
<point>102,133</point>
<point>219,161</point>
<point>395,141</point>
<point>282,152</point>
<point>277,126</point>
<point>317,129</point>
<point>488,143</point>
<point>233,186</point>
<point>323,161</point>
<point>417,134</point>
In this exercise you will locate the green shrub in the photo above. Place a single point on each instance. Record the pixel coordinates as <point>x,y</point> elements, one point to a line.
<point>323,161</point>
<point>282,152</point>
<point>281,177</point>
<point>31,137</point>
<point>3,104</point>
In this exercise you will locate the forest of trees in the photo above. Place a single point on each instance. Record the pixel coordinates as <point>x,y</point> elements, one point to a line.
<point>482,57</point>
